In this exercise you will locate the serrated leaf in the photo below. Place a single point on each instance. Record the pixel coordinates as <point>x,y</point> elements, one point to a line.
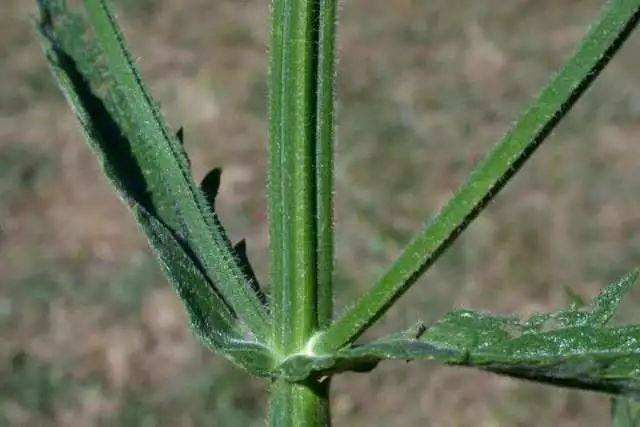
<point>361,358</point>
<point>145,162</point>
<point>572,348</point>
<point>606,304</point>
<point>210,317</point>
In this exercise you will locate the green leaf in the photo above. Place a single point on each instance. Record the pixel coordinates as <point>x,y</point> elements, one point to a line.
<point>491,175</point>
<point>604,307</point>
<point>361,358</point>
<point>572,348</point>
<point>145,162</point>
<point>210,317</point>
<point>607,302</point>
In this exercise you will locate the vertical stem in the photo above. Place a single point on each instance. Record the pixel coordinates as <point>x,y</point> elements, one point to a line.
<point>274,178</point>
<point>292,181</point>
<point>324,158</point>
<point>301,168</point>
<point>300,186</point>
<point>299,404</point>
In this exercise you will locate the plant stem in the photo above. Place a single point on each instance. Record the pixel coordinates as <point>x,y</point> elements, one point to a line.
<point>292,174</point>
<point>300,195</point>
<point>324,158</point>
<point>616,23</point>
<point>300,172</point>
<point>299,404</point>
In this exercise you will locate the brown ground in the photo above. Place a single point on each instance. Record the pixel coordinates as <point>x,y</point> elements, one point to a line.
<point>91,334</point>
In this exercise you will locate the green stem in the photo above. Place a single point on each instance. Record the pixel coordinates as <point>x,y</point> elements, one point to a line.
<point>324,158</point>
<point>299,404</point>
<point>300,172</point>
<point>292,176</point>
<point>490,176</point>
<point>300,196</point>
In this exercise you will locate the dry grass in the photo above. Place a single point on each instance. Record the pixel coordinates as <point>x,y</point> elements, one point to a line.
<point>91,334</point>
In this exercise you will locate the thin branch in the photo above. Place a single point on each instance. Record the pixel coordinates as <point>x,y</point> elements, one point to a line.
<point>490,176</point>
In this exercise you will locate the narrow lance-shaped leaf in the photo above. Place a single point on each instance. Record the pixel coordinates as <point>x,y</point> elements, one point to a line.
<point>214,248</point>
<point>143,159</point>
<point>603,40</point>
<point>572,348</point>
<point>209,315</point>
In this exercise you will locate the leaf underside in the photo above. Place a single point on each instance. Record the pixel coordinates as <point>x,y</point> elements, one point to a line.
<point>573,347</point>
<point>149,167</point>
<point>209,316</point>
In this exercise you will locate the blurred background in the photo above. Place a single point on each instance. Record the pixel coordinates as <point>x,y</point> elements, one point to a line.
<point>91,334</point>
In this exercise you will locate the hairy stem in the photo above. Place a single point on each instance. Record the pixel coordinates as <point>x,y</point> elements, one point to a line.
<point>292,177</point>
<point>300,170</point>
<point>299,404</point>
<point>324,158</point>
<point>300,195</point>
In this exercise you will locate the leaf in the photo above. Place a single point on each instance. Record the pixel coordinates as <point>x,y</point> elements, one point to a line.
<point>102,131</point>
<point>572,348</point>
<point>210,186</point>
<point>146,163</point>
<point>361,358</point>
<point>210,317</point>
<point>607,302</point>
<point>617,21</point>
